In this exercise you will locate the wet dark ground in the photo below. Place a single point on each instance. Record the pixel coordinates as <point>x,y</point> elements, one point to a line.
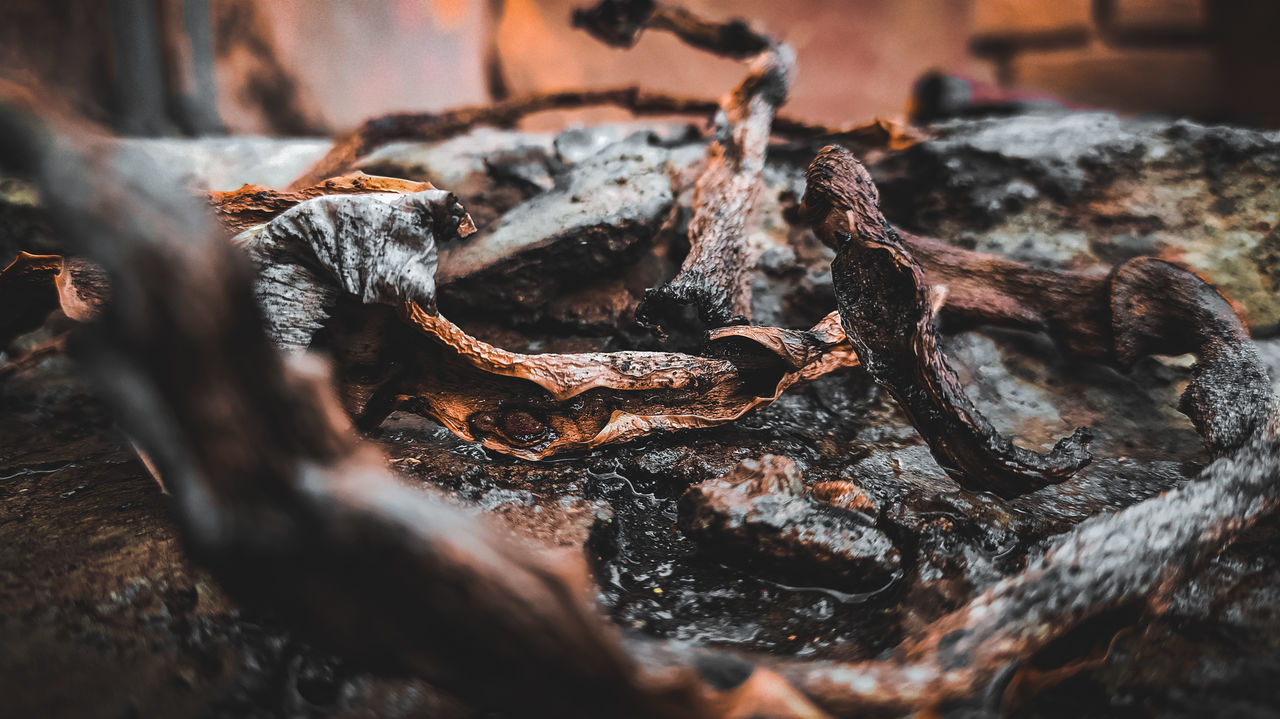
<point>102,616</point>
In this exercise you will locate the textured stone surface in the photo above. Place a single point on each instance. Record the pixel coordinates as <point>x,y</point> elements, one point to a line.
<point>760,514</point>
<point>1085,188</point>
<point>226,163</point>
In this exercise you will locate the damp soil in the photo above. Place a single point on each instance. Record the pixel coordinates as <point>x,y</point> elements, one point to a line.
<point>102,615</point>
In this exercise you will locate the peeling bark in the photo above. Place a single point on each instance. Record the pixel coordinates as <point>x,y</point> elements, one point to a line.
<point>252,205</point>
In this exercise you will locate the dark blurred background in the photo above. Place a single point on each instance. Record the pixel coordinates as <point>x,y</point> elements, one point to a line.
<point>306,67</point>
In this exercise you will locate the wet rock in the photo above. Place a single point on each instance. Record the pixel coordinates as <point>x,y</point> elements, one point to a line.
<point>1083,188</point>
<point>594,221</point>
<point>759,516</point>
<point>452,163</point>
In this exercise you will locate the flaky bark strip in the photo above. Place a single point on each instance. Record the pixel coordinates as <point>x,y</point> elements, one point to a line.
<point>716,274</point>
<point>606,398</point>
<point>252,205</point>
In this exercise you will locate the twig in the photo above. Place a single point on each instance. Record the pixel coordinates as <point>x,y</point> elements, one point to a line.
<point>621,22</point>
<point>431,127</point>
<point>714,277</point>
<point>427,127</point>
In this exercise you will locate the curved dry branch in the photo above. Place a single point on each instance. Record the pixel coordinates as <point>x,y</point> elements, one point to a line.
<point>715,276</point>
<point>888,310</point>
<point>620,23</point>
<point>382,249</point>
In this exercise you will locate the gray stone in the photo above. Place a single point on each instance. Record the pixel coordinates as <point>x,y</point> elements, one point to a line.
<point>1085,188</point>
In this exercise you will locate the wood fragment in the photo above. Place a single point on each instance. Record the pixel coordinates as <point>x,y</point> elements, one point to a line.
<point>430,127</point>
<point>252,205</point>
<point>888,311</point>
<point>714,278</point>
<point>620,23</point>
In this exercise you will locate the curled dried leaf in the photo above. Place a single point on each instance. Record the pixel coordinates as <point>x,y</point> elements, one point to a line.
<point>251,205</point>
<point>378,247</point>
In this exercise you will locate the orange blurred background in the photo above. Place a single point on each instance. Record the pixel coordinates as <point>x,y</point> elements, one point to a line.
<point>297,67</point>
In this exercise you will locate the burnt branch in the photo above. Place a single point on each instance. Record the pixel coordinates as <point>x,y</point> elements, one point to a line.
<point>714,278</point>
<point>888,310</point>
<point>1141,307</point>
